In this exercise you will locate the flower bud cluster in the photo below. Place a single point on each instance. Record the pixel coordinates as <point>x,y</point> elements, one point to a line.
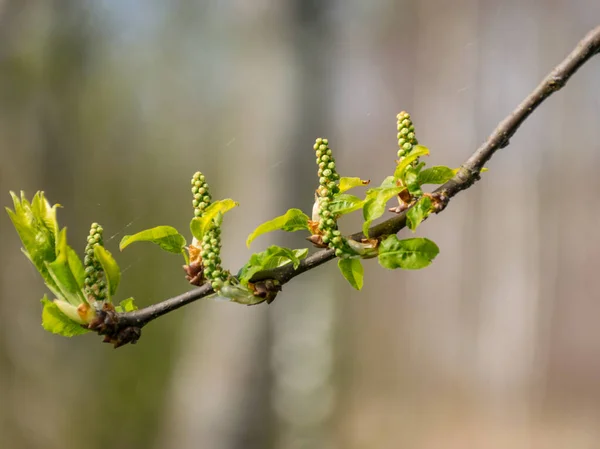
<point>205,255</point>
<point>328,188</point>
<point>406,134</point>
<point>201,194</point>
<point>94,284</point>
<point>211,258</point>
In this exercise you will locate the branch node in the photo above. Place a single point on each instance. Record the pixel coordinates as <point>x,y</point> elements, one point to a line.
<point>107,323</point>
<point>267,289</point>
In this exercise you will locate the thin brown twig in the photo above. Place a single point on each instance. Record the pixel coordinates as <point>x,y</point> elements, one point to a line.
<point>467,175</point>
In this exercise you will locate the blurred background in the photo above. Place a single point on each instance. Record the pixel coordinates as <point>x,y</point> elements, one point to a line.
<point>109,106</point>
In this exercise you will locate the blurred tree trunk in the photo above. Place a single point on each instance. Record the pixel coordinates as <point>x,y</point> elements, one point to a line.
<point>302,325</point>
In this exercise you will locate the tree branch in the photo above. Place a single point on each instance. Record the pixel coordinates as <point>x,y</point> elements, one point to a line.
<point>467,175</point>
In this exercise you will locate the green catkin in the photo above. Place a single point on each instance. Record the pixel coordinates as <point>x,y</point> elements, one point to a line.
<point>94,284</point>
<point>211,258</point>
<point>210,246</point>
<point>328,188</point>
<point>201,193</point>
<point>406,134</point>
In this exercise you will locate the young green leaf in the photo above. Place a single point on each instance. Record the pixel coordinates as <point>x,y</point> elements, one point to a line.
<point>343,204</point>
<point>110,267</point>
<point>375,202</point>
<point>41,209</point>
<point>37,227</point>
<point>273,257</point>
<point>199,225</point>
<point>353,271</point>
<point>436,175</point>
<point>53,320</point>
<point>61,273</point>
<point>416,214</point>
<point>415,153</point>
<point>293,220</point>
<point>389,181</point>
<point>349,183</point>
<point>166,237</point>
<point>127,305</point>
<point>411,179</point>
<point>409,254</point>
<point>76,266</point>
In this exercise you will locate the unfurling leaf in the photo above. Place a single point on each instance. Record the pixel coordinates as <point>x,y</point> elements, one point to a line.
<point>37,227</point>
<point>76,266</point>
<point>416,214</point>
<point>408,254</point>
<point>353,271</point>
<point>127,305</point>
<point>199,225</point>
<point>273,257</point>
<point>349,183</point>
<point>293,220</point>
<point>166,237</point>
<point>344,204</point>
<point>436,175</point>
<point>411,179</point>
<point>110,267</point>
<point>60,270</point>
<point>55,321</point>
<point>375,202</point>
<point>416,152</point>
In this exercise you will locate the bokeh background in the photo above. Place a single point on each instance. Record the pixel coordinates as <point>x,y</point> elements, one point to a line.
<point>109,106</point>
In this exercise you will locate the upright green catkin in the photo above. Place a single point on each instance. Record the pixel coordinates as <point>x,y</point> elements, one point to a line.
<point>406,134</point>
<point>202,198</point>
<point>328,188</point>
<point>211,257</point>
<point>95,286</point>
